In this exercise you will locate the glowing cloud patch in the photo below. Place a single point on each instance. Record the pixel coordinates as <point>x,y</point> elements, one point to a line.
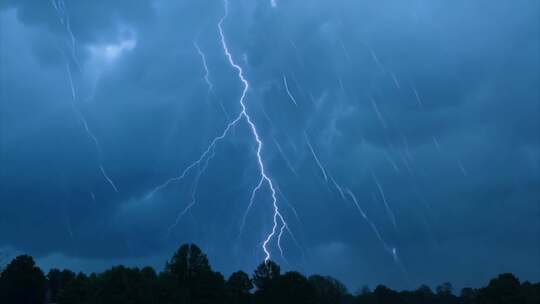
<point>111,52</point>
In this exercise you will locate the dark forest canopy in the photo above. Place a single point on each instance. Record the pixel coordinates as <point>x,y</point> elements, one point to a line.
<point>189,278</point>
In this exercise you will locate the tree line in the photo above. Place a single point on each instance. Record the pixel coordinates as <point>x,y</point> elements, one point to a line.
<point>188,278</point>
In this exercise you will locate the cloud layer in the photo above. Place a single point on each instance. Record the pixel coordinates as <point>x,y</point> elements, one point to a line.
<point>427,111</point>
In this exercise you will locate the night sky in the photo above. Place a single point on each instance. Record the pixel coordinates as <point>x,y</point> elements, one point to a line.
<point>401,138</point>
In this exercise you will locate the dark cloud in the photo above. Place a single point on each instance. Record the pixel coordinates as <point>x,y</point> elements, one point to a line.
<point>437,102</point>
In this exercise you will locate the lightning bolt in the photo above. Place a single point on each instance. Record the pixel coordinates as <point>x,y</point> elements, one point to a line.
<point>199,161</point>
<point>61,11</point>
<point>60,8</point>
<point>205,66</point>
<point>279,225</point>
<point>262,170</point>
<point>207,78</point>
<point>194,189</point>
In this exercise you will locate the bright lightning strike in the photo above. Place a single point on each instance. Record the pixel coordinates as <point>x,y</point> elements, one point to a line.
<point>205,65</point>
<point>61,11</point>
<point>194,189</point>
<point>207,78</point>
<point>264,177</point>
<point>279,222</point>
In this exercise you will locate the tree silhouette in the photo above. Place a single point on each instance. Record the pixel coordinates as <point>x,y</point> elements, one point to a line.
<point>22,282</point>
<point>77,290</point>
<point>148,285</point>
<point>3,260</point>
<point>188,262</point>
<point>445,293</point>
<point>57,280</point>
<point>445,289</point>
<point>265,278</point>
<point>328,289</point>
<point>385,295</point>
<point>468,295</point>
<point>423,295</point>
<point>124,285</point>
<point>504,289</point>
<point>293,287</point>
<point>530,293</point>
<point>266,274</point>
<point>365,296</point>
<point>238,288</point>
<point>190,276</point>
<point>189,279</point>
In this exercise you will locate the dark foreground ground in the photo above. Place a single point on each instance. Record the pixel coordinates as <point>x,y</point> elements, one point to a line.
<point>188,278</point>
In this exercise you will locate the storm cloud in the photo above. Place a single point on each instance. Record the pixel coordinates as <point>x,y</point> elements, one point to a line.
<point>427,111</point>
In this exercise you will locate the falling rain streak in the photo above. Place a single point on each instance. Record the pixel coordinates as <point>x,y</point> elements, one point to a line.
<point>63,15</point>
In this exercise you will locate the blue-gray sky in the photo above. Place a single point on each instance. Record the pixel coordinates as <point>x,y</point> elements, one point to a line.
<point>427,111</point>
